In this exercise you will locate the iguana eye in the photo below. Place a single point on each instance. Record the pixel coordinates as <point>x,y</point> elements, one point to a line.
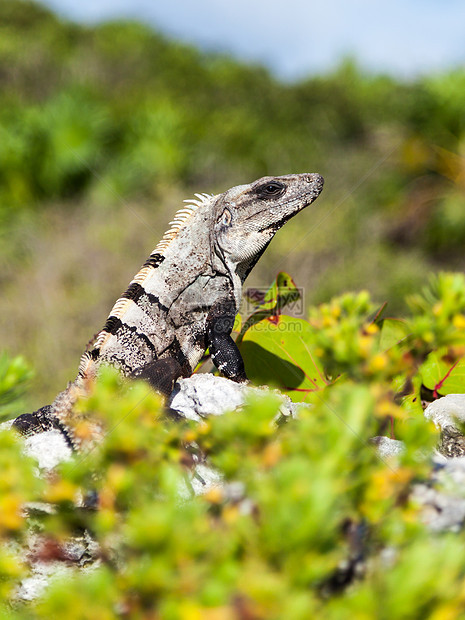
<point>272,189</point>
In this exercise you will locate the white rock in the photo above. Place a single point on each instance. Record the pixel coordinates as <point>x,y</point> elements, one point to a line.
<point>205,478</point>
<point>446,410</point>
<point>42,573</point>
<point>388,447</point>
<point>440,511</point>
<point>450,473</point>
<point>48,448</point>
<point>203,395</point>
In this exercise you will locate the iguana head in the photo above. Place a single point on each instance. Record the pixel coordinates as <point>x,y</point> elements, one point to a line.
<point>248,216</point>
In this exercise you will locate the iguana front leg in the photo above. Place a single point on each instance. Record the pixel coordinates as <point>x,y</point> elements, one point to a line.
<point>223,349</point>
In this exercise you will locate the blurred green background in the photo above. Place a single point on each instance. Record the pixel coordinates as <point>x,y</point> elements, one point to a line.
<point>105,129</point>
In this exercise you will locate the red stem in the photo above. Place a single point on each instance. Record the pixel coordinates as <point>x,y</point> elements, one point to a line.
<point>439,385</point>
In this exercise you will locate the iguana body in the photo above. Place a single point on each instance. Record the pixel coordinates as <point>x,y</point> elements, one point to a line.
<point>186,295</point>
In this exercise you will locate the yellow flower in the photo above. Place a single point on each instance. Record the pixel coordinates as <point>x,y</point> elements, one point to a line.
<point>437,308</point>
<point>328,321</point>
<point>365,343</point>
<point>10,512</point>
<point>459,321</point>
<point>190,435</point>
<point>387,408</point>
<point>60,491</point>
<point>214,495</point>
<point>272,454</point>
<point>378,362</point>
<point>447,611</point>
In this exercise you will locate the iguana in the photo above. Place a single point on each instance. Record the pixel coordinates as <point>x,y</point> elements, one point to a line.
<point>186,295</point>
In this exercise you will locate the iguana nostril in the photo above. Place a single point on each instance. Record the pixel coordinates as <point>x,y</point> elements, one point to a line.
<point>315,179</point>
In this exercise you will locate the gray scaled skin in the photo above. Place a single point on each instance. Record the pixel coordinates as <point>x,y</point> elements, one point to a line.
<point>186,295</point>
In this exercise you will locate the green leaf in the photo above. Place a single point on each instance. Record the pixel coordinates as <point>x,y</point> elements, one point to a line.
<point>393,332</point>
<point>442,374</point>
<point>278,350</point>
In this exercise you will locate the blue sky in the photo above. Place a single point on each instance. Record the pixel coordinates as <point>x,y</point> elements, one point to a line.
<point>295,38</point>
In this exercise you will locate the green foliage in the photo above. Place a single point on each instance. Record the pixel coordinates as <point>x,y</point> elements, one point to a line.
<point>14,377</point>
<point>117,104</point>
<point>439,314</point>
<point>340,338</point>
<point>299,497</point>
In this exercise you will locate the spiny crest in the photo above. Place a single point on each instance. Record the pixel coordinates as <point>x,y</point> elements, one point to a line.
<point>87,368</point>
<point>84,363</point>
<point>180,218</point>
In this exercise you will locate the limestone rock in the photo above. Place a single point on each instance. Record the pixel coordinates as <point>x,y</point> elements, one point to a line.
<point>48,448</point>
<point>388,447</point>
<point>203,395</point>
<point>446,411</point>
